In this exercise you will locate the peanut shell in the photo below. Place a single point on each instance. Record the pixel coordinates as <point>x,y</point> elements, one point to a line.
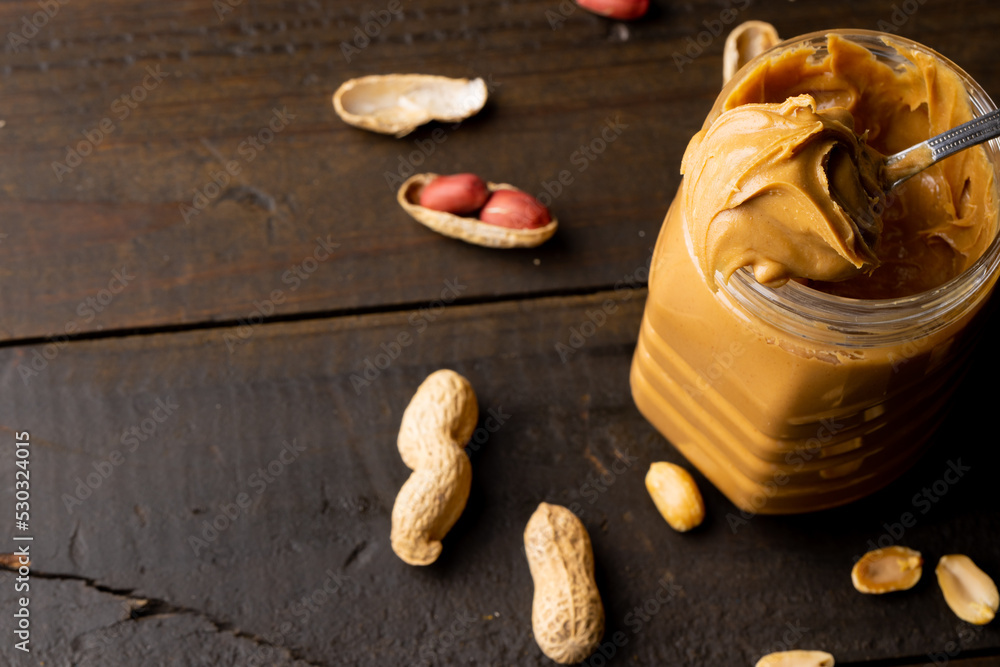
<point>744,43</point>
<point>567,616</point>
<point>436,426</point>
<point>469,229</point>
<point>399,103</point>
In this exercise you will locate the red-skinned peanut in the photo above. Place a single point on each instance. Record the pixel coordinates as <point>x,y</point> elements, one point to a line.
<point>460,194</point>
<point>623,10</point>
<point>515,210</point>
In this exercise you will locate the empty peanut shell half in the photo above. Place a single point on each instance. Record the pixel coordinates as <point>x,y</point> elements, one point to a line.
<point>969,591</point>
<point>796,659</point>
<point>470,229</point>
<point>399,103</point>
<point>885,570</point>
<point>746,41</point>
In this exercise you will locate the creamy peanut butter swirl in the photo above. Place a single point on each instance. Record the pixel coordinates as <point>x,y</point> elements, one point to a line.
<point>778,187</point>
<point>757,178</point>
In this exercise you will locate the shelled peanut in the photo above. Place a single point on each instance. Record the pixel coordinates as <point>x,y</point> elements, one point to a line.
<point>886,570</point>
<point>623,10</point>
<point>465,207</point>
<point>796,659</point>
<point>969,591</point>
<point>461,194</point>
<point>676,495</point>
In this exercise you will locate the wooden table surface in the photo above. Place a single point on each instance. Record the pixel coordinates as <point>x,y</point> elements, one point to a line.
<point>210,482</point>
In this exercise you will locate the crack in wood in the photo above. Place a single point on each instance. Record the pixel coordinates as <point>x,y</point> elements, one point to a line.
<point>146,607</point>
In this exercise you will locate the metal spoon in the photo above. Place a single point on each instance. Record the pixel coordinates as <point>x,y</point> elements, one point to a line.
<point>900,166</point>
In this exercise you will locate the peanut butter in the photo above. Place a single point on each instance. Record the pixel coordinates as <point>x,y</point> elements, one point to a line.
<point>772,186</point>
<point>790,400</point>
<point>937,223</point>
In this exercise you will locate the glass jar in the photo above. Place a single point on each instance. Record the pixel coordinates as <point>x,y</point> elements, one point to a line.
<point>791,399</point>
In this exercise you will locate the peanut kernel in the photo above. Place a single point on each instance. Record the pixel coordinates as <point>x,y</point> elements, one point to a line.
<point>969,591</point>
<point>886,570</point>
<point>796,659</point>
<point>676,495</point>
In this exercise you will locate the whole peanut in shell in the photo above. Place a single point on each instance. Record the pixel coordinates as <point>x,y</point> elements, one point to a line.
<point>567,616</point>
<point>436,425</point>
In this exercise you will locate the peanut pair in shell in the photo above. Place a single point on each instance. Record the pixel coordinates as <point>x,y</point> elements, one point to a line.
<point>435,428</point>
<point>469,228</point>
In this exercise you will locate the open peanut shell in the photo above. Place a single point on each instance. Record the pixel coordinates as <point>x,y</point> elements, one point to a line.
<point>470,230</point>
<point>744,43</point>
<point>399,103</point>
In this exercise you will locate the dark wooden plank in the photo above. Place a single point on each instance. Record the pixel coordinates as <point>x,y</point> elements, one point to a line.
<point>556,86</point>
<point>316,529</point>
<point>75,623</point>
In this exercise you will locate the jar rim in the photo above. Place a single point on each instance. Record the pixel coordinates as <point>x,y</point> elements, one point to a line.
<point>828,318</point>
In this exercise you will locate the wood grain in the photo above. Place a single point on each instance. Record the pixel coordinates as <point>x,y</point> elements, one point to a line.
<point>559,74</point>
<point>283,420</point>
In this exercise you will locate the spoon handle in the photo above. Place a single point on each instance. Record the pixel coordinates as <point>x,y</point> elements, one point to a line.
<point>902,165</point>
<point>975,132</point>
